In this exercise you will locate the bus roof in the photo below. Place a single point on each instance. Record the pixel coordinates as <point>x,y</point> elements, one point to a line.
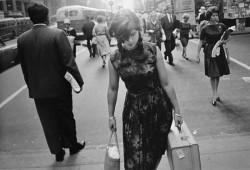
<point>79,7</point>
<point>28,18</point>
<point>7,19</point>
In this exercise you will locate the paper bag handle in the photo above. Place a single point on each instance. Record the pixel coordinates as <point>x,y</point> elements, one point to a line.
<point>116,140</point>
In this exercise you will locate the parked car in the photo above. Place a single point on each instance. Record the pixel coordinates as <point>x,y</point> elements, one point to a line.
<point>8,56</point>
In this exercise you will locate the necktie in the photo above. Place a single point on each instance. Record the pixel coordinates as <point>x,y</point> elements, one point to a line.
<point>171,19</point>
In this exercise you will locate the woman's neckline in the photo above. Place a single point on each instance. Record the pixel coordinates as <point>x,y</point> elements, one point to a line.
<point>130,49</point>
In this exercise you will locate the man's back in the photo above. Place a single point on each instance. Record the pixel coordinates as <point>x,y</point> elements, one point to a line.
<point>45,56</point>
<point>87,28</point>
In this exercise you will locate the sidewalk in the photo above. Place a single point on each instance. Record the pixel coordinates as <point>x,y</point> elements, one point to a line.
<point>223,152</point>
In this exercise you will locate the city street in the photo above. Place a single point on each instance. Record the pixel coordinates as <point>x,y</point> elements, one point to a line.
<point>21,131</point>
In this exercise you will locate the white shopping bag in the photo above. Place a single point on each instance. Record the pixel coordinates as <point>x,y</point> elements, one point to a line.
<point>75,86</point>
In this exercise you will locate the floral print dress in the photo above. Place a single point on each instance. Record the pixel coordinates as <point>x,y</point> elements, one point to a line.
<point>147,114</point>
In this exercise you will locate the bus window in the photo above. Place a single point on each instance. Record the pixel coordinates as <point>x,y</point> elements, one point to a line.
<point>8,28</point>
<point>63,14</point>
<point>73,13</point>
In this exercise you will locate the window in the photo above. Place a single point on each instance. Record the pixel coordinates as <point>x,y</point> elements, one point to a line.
<point>1,5</point>
<point>9,5</point>
<point>18,5</point>
<point>73,13</point>
<point>63,14</point>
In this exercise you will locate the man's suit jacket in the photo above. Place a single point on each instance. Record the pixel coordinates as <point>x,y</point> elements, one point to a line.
<point>88,28</point>
<point>169,27</point>
<point>45,56</point>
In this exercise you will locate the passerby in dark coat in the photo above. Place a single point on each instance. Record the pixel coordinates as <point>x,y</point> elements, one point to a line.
<point>169,23</point>
<point>45,56</point>
<point>87,31</point>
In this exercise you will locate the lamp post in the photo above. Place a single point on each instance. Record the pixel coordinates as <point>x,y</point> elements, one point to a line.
<point>111,3</point>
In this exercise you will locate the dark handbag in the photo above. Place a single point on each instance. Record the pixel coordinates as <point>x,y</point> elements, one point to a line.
<point>112,156</point>
<point>76,42</point>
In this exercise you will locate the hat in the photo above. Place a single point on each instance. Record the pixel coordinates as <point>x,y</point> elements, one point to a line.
<point>66,21</point>
<point>207,4</point>
<point>202,9</point>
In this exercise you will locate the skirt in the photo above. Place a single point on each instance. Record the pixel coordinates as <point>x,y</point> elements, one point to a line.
<point>103,47</point>
<point>147,120</point>
<point>215,67</point>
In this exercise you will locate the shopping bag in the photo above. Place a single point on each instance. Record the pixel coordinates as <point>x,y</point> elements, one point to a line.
<point>112,156</point>
<point>178,45</point>
<point>75,86</point>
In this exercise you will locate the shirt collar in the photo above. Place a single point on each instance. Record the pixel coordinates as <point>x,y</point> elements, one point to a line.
<point>39,25</point>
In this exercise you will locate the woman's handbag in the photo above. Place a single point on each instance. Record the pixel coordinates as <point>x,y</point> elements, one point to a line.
<point>112,156</point>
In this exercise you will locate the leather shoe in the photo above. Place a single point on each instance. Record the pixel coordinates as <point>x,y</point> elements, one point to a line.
<point>60,155</point>
<point>172,64</point>
<point>75,149</point>
<point>165,57</point>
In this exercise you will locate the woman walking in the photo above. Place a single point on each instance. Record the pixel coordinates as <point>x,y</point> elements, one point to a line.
<point>150,103</point>
<point>101,32</point>
<point>155,30</point>
<point>210,35</point>
<point>185,28</point>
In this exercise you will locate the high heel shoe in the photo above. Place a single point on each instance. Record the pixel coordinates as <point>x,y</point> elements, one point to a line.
<point>214,102</point>
<point>103,64</point>
<point>77,148</point>
<point>218,99</point>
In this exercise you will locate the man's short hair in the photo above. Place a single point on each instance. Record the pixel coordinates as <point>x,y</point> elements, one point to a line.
<point>38,13</point>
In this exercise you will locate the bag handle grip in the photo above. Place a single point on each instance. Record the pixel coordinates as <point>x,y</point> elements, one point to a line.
<point>116,140</point>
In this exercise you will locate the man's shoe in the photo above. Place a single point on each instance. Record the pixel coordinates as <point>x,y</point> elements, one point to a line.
<point>165,57</point>
<point>75,149</point>
<point>60,156</point>
<point>172,64</point>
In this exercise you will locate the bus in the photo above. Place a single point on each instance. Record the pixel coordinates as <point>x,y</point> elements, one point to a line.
<point>8,28</point>
<point>77,15</point>
<point>23,24</point>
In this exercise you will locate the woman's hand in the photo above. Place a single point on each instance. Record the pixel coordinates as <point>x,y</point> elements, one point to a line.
<point>112,124</point>
<point>163,37</point>
<point>178,119</point>
<point>198,59</point>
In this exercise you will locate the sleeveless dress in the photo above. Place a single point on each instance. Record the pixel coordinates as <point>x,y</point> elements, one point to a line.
<point>218,66</point>
<point>147,114</point>
<point>184,33</point>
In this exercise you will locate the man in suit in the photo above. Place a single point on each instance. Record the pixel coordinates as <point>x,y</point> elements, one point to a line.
<point>87,31</point>
<point>45,56</point>
<point>169,23</point>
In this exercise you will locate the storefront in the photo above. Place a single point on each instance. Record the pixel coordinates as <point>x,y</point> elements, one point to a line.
<point>237,12</point>
<point>18,8</point>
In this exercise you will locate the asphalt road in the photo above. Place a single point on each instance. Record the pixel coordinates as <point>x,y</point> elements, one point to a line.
<point>20,127</point>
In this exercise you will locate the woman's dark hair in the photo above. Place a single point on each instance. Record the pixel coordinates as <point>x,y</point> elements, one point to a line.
<point>211,10</point>
<point>123,23</point>
<point>38,13</point>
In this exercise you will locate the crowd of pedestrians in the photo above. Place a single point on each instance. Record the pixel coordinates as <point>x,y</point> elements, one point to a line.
<point>151,103</point>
